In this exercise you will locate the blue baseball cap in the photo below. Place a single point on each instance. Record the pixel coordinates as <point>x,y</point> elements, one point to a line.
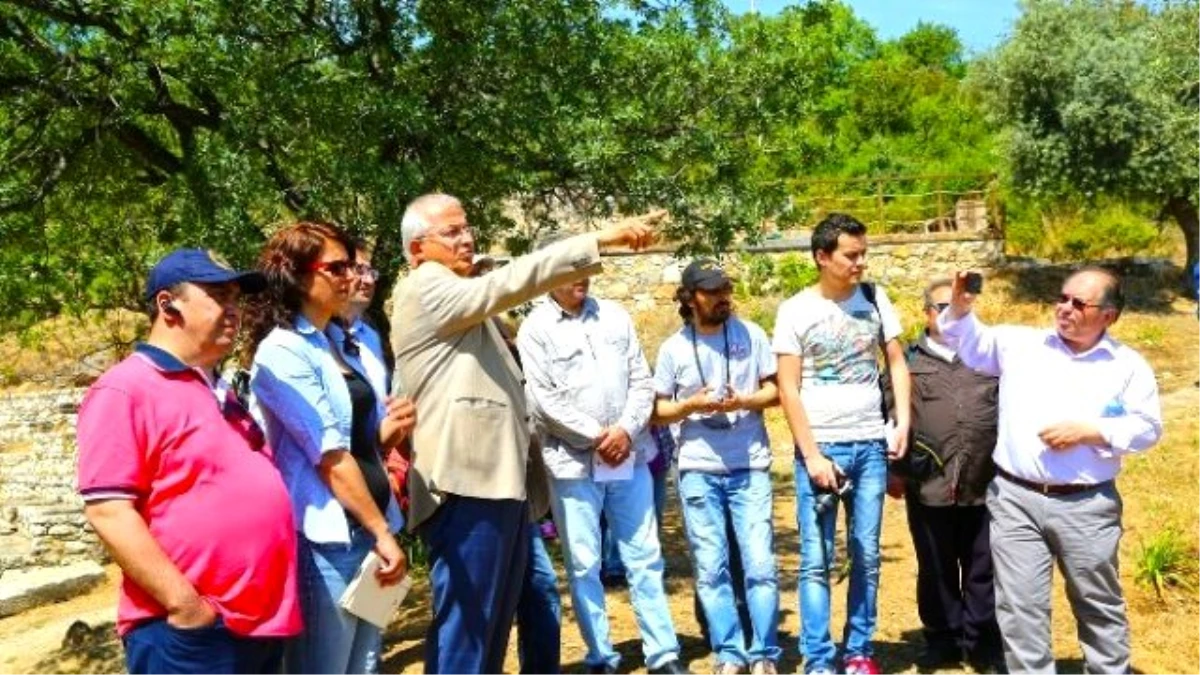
<point>202,266</point>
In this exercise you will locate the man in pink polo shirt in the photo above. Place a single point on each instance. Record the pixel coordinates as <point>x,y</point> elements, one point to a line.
<point>179,484</point>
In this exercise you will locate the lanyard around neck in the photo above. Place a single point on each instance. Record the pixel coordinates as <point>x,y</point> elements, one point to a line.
<point>696,354</point>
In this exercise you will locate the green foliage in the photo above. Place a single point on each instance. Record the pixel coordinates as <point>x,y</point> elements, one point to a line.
<point>784,276</point>
<point>134,126</point>
<point>1165,562</point>
<point>1090,230</point>
<point>1100,97</point>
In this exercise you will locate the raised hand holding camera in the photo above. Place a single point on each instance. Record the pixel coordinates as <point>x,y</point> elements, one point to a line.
<point>966,286</point>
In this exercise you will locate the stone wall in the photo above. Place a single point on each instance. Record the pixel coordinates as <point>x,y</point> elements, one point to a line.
<point>646,281</point>
<point>41,521</point>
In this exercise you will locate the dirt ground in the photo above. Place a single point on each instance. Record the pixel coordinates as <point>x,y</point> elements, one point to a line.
<point>1160,489</point>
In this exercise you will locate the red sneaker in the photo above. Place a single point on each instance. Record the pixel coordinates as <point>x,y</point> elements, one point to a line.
<point>861,665</point>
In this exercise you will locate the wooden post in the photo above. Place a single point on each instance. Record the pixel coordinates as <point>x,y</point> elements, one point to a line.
<point>941,208</point>
<point>879,203</point>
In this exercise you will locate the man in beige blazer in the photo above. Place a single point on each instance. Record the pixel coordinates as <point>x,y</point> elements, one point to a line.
<point>467,483</point>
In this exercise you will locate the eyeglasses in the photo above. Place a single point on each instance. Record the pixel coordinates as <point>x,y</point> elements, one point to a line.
<point>1075,302</point>
<point>454,233</point>
<point>338,268</point>
<point>366,271</point>
<point>939,306</point>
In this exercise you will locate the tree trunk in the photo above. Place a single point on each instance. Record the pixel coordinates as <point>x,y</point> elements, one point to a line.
<point>1187,215</point>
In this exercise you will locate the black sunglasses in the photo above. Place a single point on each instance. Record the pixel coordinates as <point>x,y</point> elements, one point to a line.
<point>939,306</point>
<point>1075,302</point>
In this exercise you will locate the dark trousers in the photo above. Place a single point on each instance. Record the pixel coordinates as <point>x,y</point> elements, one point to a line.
<point>476,547</point>
<point>157,647</point>
<point>955,590</point>
<point>539,612</point>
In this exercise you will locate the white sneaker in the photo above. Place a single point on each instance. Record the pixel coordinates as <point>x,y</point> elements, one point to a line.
<point>763,667</point>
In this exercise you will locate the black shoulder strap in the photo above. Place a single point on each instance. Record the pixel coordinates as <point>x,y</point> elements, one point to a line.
<point>868,291</point>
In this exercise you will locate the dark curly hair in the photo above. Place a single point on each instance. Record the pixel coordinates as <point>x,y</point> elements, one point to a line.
<point>285,260</point>
<point>684,297</point>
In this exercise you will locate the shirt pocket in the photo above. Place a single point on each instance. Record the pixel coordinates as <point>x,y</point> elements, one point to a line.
<point>569,367</point>
<point>616,345</point>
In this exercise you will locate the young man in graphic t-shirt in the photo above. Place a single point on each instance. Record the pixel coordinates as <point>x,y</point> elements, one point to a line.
<point>827,339</point>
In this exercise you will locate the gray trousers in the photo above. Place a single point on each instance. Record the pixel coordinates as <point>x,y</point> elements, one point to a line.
<point>1082,532</point>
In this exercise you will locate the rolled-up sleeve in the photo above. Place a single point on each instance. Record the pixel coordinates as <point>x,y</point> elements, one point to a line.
<point>1139,425</point>
<point>287,385</point>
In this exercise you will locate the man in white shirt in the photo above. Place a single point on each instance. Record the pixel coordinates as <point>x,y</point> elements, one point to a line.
<point>827,338</point>
<point>592,391</point>
<point>1073,402</point>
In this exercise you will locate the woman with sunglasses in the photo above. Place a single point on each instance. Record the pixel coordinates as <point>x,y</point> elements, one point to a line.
<point>327,422</point>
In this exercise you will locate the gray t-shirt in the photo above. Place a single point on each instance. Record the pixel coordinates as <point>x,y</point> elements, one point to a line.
<point>719,442</point>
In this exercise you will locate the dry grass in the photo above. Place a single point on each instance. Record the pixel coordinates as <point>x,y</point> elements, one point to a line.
<point>68,350</point>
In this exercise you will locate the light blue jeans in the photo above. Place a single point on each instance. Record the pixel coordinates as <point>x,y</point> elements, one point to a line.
<point>334,640</point>
<point>747,495</point>
<point>865,464</point>
<point>611,562</point>
<point>628,505</point>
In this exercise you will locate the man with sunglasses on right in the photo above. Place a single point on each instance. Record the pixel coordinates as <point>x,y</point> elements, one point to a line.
<point>715,377</point>
<point>1073,402</point>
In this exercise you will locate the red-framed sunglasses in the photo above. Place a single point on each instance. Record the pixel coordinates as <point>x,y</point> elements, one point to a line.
<point>338,268</point>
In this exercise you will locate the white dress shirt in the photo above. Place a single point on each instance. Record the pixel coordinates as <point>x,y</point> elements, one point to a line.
<point>1043,382</point>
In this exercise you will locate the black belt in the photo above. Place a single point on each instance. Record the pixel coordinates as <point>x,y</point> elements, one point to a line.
<point>1047,489</point>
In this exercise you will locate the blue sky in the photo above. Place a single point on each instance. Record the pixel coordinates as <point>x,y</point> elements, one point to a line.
<point>981,24</point>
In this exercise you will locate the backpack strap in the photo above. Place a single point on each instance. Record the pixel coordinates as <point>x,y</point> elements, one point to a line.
<point>868,291</point>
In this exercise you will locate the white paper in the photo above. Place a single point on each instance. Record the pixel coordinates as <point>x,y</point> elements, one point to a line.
<point>368,600</point>
<point>604,473</point>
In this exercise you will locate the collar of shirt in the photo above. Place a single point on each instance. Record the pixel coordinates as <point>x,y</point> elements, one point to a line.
<point>1106,345</point>
<point>167,362</point>
<point>303,325</point>
<point>355,328</point>
<point>937,349</point>
<point>590,308</point>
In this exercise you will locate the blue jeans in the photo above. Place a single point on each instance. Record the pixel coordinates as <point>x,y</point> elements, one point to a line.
<point>334,640</point>
<point>478,549</point>
<point>746,495</point>
<point>157,647</point>
<point>611,565</point>
<point>865,464</point>
<point>629,507</point>
<point>539,612</point>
